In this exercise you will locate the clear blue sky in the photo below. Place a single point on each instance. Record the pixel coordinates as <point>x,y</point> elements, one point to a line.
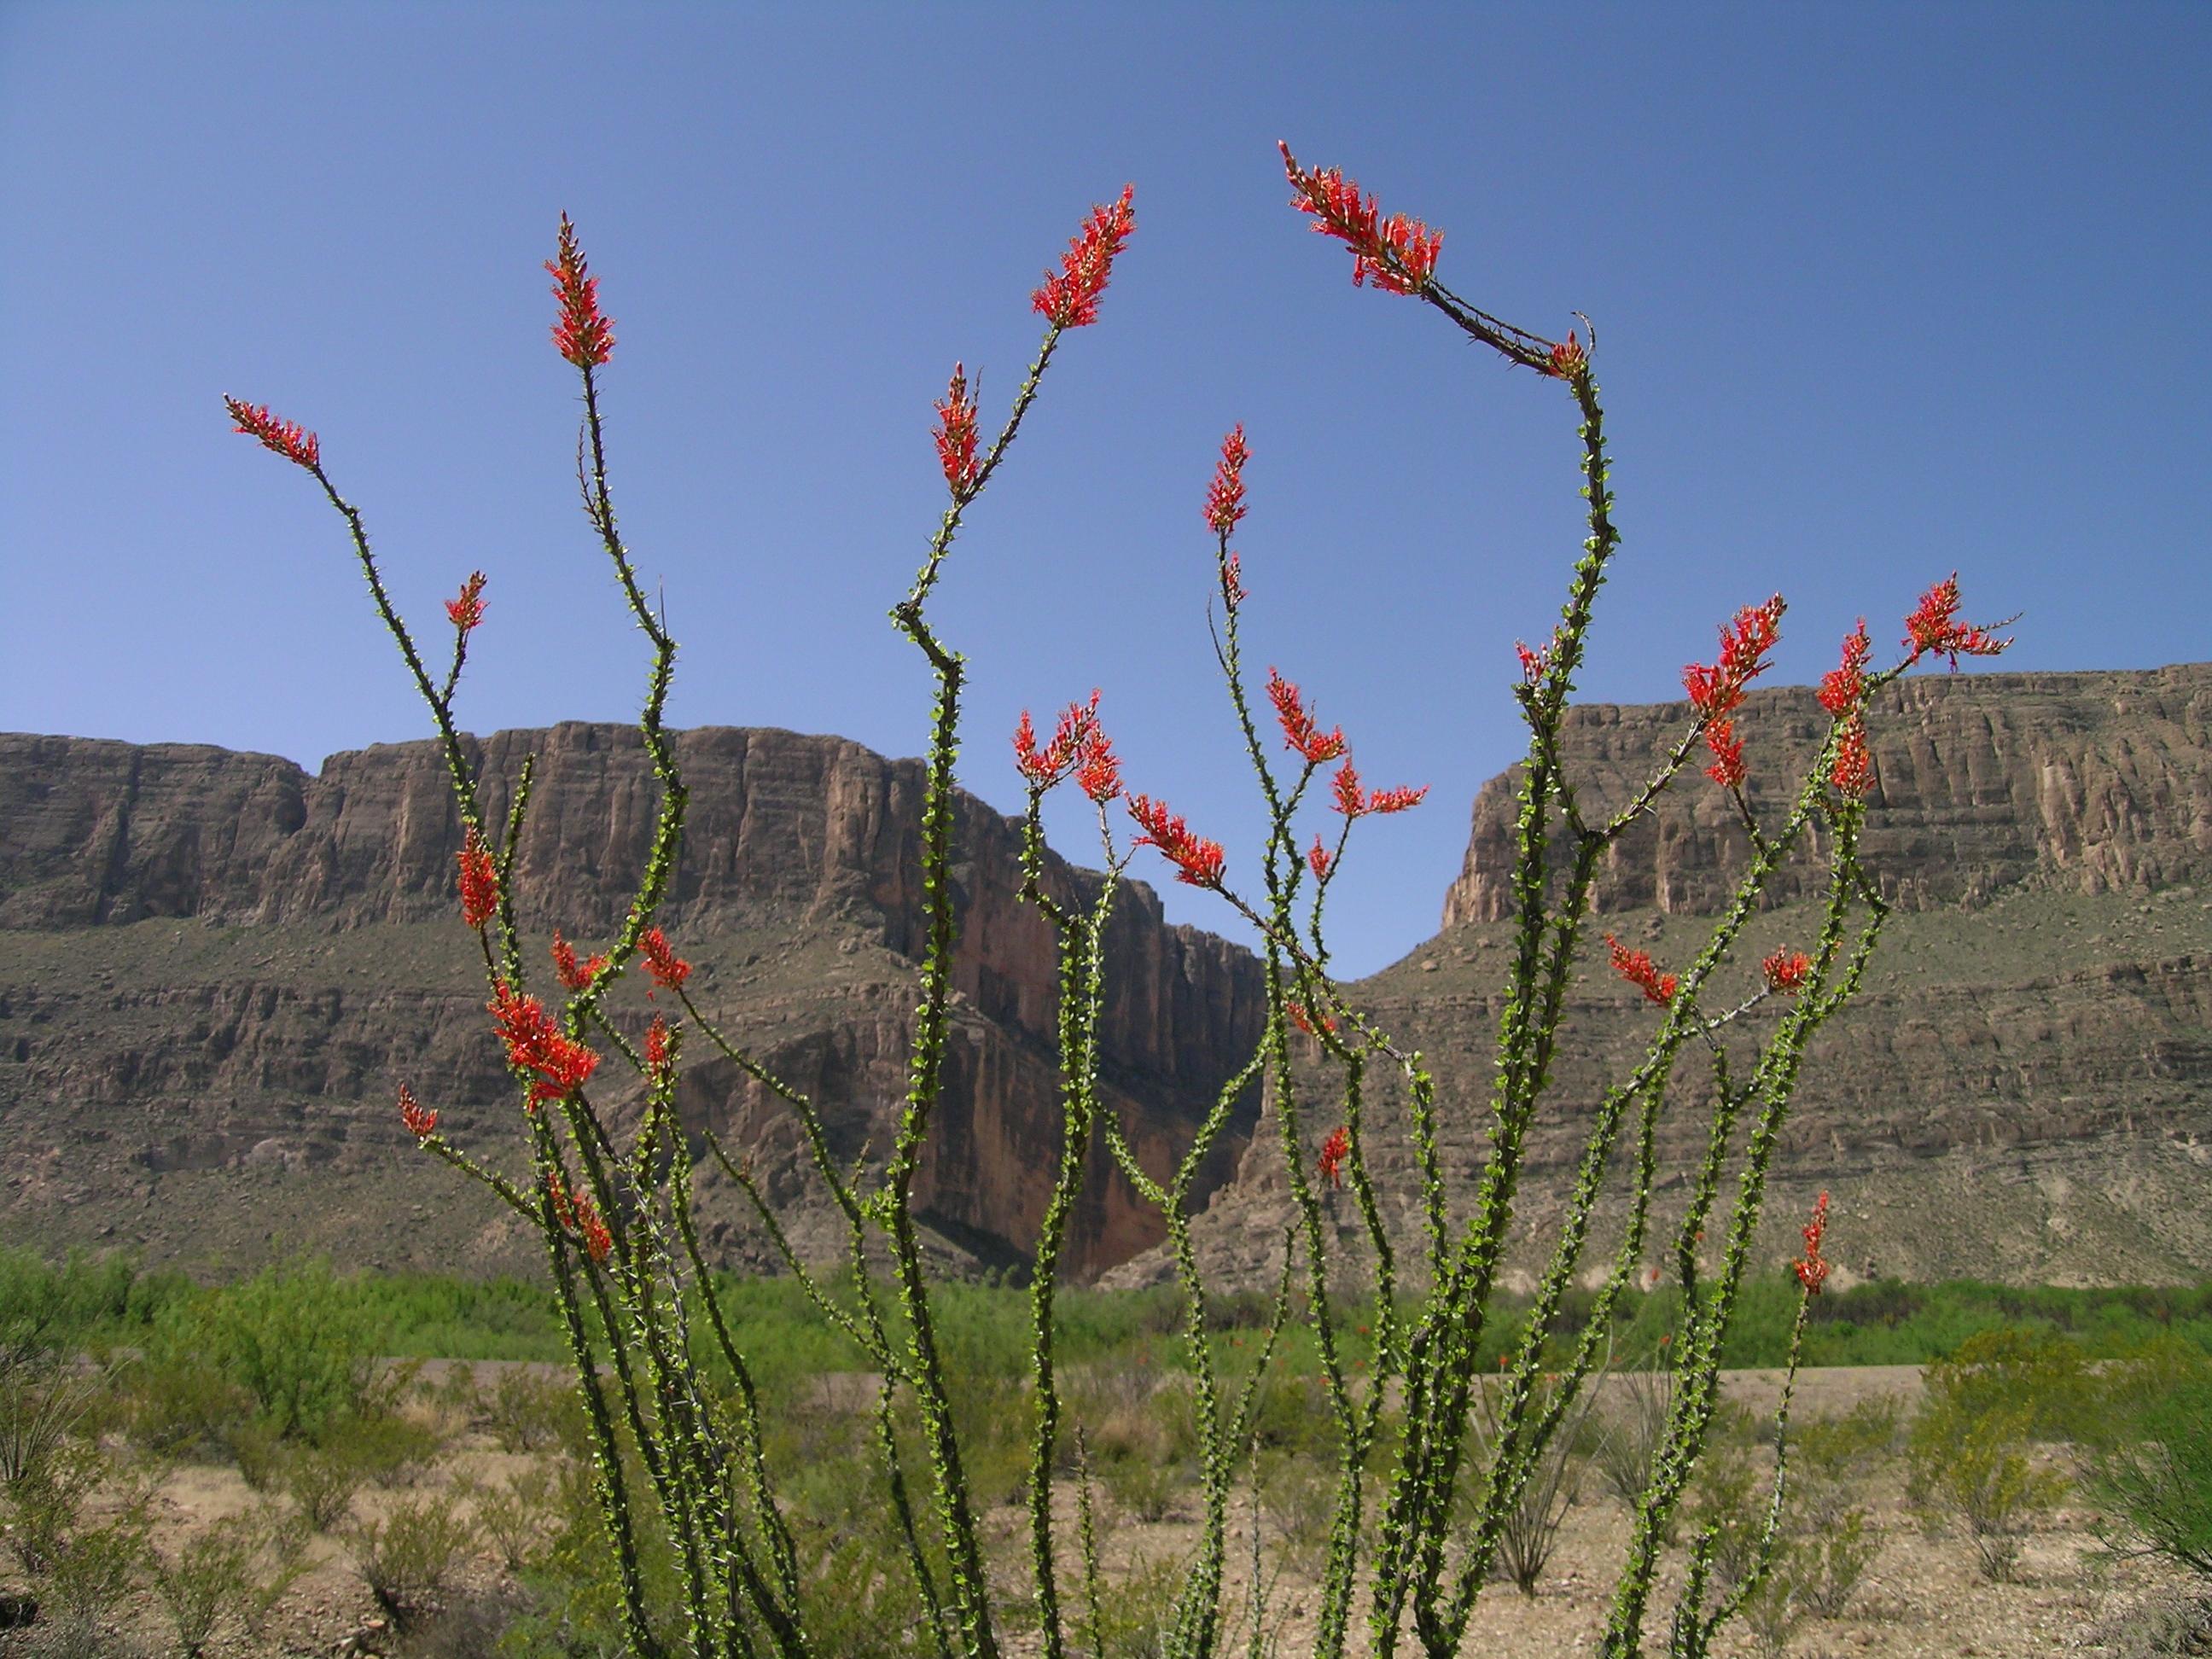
<point>1880,294</point>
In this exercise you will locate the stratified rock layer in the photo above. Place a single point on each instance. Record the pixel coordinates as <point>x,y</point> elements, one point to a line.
<point>2023,1090</point>
<point>292,951</point>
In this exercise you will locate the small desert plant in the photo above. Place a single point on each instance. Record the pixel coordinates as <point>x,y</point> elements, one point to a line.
<point>1637,1407</point>
<point>529,1411</point>
<point>515,1515</point>
<point>1977,1466</point>
<point>1528,1528</point>
<point>408,1557</point>
<point>234,1571</point>
<point>299,1339</point>
<point>322,1480</point>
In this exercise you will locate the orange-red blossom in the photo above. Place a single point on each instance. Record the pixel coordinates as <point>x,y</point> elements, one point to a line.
<point>534,1044</point>
<point>1811,1270</point>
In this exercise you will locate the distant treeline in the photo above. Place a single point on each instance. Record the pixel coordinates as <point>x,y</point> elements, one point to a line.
<point>111,1303</point>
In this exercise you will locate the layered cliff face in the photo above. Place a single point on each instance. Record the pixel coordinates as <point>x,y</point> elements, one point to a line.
<point>218,968</point>
<point>2023,1089</point>
<point>221,966</point>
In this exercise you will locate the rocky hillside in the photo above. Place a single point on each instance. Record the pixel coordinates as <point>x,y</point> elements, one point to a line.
<point>2023,1090</point>
<point>219,967</point>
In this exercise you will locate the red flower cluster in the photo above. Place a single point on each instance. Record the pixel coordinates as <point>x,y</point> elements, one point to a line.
<point>1070,299</point>
<point>1569,359</point>
<point>1812,1271</point>
<point>1854,768</point>
<point>1636,967</point>
<point>576,1214</point>
<point>1353,805</point>
<point>1099,775</point>
<point>288,438</point>
<point>1335,1153</point>
<point>1305,1020</point>
<point>668,970</point>
<point>580,334</point>
<point>1198,861</point>
<point>1534,665</point>
<point>1398,254</point>
<point>1726,769</point>
<point>468,609</point>
<point>657,1048</point>
<point>479,881</point>
<point>419,1123</point>
<point>534,1044</point>
<point>1043,769</point>
<point>1841,688</point>
<point>576,975</point>
<point>1224,496</point>
<point>1786,970</point>
<point>1299,730</point>
<point>956,434</point>
<point>1717,689</point>
<point>1232,581</point>
<point>1318,859</point>
<point>1934,630</point>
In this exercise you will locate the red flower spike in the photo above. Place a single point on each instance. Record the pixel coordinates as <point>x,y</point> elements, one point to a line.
<point>1636,967</point>
<point>1044,768</point>
<point>1726,769</point>
<point>1854,768</point>
<point>669,971</point>
<point>1098,774</point>
<point>534,1044</point>
<point>956,434</point>
<point>1811,1270</point>
<point>479,881</point>
<point>1299,731</point>
<point>1349,801</point>
<point>1381,801</point>
<point>657,1048</point>
<point>468,609</point>
<point>1718,689</point>
<point>1934,630</point>
<point>1318,859</point>
<point>1305,1020</point>
<point>1070,299</point>
<point>576,975</point>
<point>418,1122</point>
<point>1335,1153</point>
<point>1397,254</point>
<point>288,438</point>
<point>1842,687</point>
<point>1785,971</point>
<point>1224,496</point>
<point>1198,861</point>
<point>582,335</point>
<point>1569,359</point>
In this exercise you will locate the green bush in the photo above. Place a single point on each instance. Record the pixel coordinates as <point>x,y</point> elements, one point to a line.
<point>409,1556</point>
<point>300,1341</point>
<point>236,1570</point>
<point>2157,1476</point>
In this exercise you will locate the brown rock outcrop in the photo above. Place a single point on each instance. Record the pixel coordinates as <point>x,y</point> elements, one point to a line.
<point>801,854</point>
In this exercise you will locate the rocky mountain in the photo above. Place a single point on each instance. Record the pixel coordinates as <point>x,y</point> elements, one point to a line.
<point>219,967</point>
<point>2021,1092</point>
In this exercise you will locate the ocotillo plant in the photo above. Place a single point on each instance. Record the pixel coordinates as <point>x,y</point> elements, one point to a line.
<point>639,1308</point>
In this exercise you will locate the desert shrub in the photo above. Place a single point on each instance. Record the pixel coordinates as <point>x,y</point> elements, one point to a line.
<point>299,1339</point>
<point>529,1411</point>
<point>1977,1466</point>
<point>80,1568</point>
<point>408,1557</point>
<point>1529,1526</point>
<point>1141,1489</point>
<point>1298,1500</point>
<point>233,1571</point>
<point>2155,1475</point>
<point>180,1404</point>
<point>1137,1611</point>
<point>1633,1423</point>
<point>573,1599</point>
<point>322,1480</point>
<point>514,1515</point>
<point>391,1449</point>
<point>1832,1558</point>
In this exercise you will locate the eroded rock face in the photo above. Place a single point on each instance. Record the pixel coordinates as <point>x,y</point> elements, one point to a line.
<point>2023,1090</point>
<point>2087,783</point>
<point>803,852</point>
<point>219,967</point>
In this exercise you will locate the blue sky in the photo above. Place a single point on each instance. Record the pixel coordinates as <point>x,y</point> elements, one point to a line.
<point>1880,294</point>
